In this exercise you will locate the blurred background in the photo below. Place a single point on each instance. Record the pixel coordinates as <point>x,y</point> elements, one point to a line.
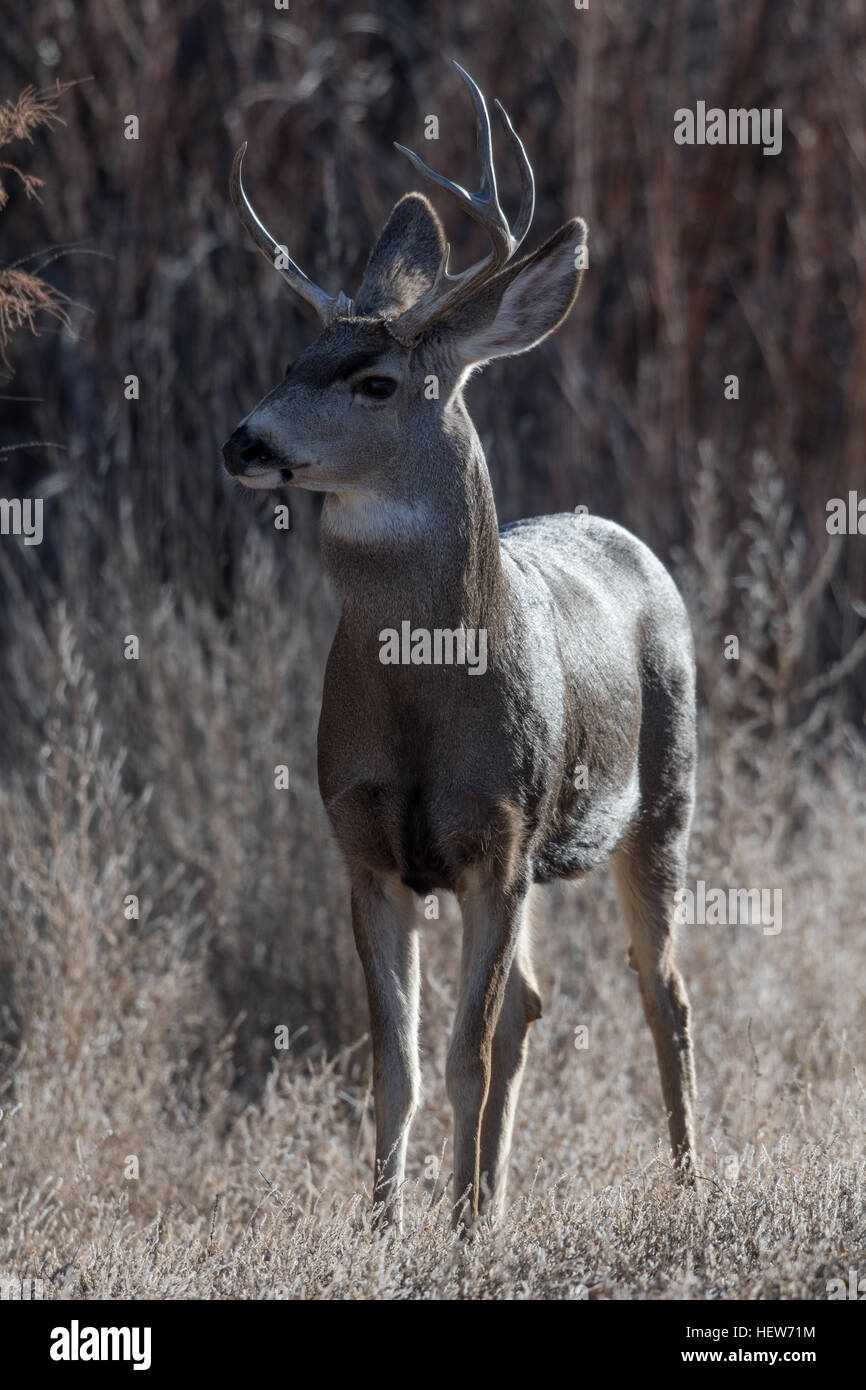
<point>155,777</point>
<point>705,261</point>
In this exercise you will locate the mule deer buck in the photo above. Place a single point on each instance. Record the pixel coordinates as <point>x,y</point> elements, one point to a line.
<point>573,742</point>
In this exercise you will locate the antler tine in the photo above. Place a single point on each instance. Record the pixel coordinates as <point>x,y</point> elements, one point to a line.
<point>487,193</point>
<point>483,205</point>
<point>326,307</point>
<point>447,290</point>
<point>527,180</point>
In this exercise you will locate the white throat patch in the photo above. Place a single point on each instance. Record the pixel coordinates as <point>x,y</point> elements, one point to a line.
<point>366,516</point>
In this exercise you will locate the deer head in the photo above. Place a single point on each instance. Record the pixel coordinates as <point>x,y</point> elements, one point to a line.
<point>356,413</point>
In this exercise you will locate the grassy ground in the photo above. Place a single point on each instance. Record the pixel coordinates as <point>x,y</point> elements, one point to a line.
<point>156,1142</point>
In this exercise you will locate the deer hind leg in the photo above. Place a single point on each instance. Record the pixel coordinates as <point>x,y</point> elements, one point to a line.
<point>387,940</point>
<point>492,923</point>
<point>648,876</point>
<point>520,1008</point>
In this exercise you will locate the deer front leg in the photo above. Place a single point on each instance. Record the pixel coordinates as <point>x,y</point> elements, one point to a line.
<point>387,942</point>
<point>492,919</point>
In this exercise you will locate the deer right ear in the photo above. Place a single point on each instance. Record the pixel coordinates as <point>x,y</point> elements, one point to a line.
<point>523,303</point>
<point>404,261</point>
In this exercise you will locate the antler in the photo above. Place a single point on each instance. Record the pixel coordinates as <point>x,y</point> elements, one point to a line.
<point>447,291</point>
<point>327,308</point>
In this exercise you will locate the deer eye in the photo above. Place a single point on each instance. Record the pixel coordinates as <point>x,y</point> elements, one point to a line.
<point>376,388</point>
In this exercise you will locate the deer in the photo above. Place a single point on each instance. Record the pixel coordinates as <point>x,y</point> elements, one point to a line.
<point>575,744</point>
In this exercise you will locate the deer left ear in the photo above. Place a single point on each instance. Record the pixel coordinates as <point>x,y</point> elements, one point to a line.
<point>523,303</point>
<point>404,261</point>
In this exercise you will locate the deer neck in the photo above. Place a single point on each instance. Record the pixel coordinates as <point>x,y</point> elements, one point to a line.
<point>420,544</point>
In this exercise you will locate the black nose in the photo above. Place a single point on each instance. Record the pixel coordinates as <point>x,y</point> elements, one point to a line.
<point>243,448</point>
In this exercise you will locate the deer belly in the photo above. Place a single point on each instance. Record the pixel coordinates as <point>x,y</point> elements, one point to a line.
<point>427,841</point>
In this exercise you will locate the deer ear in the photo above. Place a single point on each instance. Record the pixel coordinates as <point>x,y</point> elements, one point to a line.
<point>523,303</point>
<point>404,261</point>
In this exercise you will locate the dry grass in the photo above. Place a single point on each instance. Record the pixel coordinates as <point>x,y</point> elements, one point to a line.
<point>24,294</point>
<point>124,1038</point>
<point>20,117</point>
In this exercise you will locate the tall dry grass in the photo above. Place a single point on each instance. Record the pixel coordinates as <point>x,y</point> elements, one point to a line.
<point>155,1038</point>
<point>25,294</point>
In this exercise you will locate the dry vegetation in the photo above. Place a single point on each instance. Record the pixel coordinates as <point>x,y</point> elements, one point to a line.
<point>154,1037</point>
<point>23,294</point>
<point>125,1037</point>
